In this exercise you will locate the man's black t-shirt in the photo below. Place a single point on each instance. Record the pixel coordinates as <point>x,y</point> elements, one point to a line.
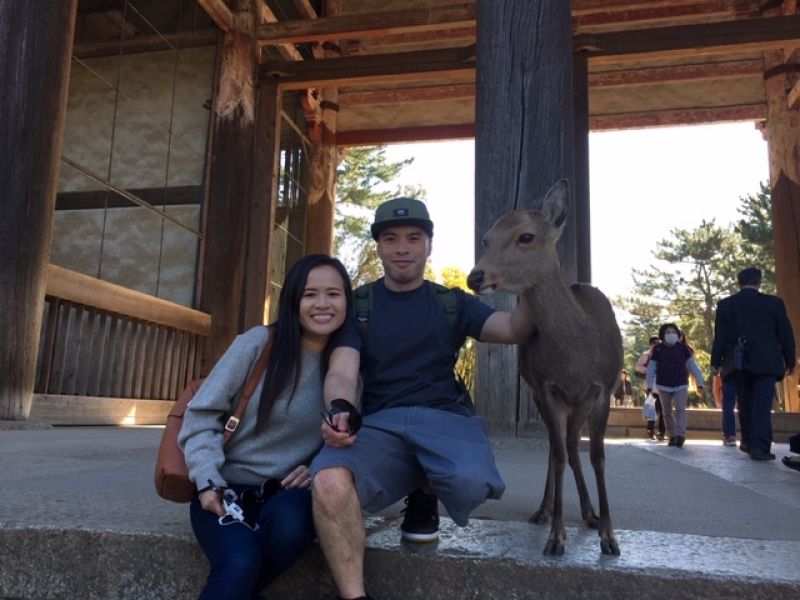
<point>407,358</point>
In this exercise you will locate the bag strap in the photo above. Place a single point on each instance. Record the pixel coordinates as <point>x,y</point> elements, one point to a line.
<point>250,385</point>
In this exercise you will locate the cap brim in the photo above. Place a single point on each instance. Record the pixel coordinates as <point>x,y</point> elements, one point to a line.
<point>424,224</point>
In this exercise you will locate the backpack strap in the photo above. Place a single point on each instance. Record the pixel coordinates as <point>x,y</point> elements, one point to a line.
<point>449,302</point>
<point>362,299</point>
<point>250,385</point>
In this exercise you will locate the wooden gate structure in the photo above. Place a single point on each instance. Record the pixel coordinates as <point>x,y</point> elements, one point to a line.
<point>163,161</point>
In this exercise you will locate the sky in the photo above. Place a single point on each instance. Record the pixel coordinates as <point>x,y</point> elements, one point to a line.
<point>643,183</point>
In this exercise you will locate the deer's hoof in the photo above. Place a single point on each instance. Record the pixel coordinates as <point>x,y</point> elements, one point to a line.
<point>540,517</point>
<point>609,547</point>
<point>554,548</point>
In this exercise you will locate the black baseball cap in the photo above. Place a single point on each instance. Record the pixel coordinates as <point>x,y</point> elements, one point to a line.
<point>399,212</point>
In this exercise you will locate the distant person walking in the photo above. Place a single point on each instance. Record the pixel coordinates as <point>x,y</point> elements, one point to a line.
<point>640,370</point>
<point>754,346</point>
<point>623,395</point>
<point>671,361</point>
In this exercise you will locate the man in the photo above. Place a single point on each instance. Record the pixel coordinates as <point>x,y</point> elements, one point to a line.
<point>759,325</point>
<point>419,426</point>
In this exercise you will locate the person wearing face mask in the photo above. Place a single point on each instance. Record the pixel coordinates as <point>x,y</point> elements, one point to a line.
<point>668,372</point>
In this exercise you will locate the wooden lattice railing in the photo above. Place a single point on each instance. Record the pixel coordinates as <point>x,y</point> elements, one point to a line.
<point>104,341</point>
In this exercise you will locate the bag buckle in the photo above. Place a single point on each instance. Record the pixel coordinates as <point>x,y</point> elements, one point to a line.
<point>232,424</point>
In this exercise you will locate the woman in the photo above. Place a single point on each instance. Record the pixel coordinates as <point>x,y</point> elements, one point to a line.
<point>668,371</point>
<point>266,461</point>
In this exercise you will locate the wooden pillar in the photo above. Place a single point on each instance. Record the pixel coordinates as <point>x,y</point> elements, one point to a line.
<point>523,144</point>
<point>580,192</point>
<point>264,190</point>
<point>323,160</point>
<point>783,135</point>
<point>229,164</point>
<point>35,48</point>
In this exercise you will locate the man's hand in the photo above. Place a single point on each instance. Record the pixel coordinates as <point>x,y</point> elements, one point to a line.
<point>211,501</point>
<point>341,438</point>
<point>299,478</point>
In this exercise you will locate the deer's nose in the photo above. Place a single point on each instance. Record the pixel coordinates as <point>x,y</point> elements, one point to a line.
<point>475,280</point>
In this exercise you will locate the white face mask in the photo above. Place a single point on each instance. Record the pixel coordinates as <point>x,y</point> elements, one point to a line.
<point>671,338</point>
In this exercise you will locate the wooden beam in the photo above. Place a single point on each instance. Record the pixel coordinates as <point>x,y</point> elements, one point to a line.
<point>369,25</point>
<point>588,7</point>
<point>174,196</point>
<point>746,35</point>
<point>652,14</point>
<point>90,291</point>
<point>219,13</point>
<point>621,78</point>
<point>61,409</point>
<point>430,93</point>
<point>793,97</point>
<point>148,43</point>
<point>689,116</point>
<point>391,68</point>
<point>266,15</point>
<point>649,75</point>
<point>375,137</point>
<point>305,9</point>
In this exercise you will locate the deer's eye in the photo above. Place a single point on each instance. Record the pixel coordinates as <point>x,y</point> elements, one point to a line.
<point>485,242</point>
<point>525,238</point>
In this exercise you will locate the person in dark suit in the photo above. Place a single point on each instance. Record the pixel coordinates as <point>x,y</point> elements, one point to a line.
<point>760,320</point>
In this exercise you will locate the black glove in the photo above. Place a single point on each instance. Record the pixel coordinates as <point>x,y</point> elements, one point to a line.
<point>354,420</point>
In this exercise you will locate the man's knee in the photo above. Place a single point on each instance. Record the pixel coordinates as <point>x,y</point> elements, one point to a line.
<point>332,487</point>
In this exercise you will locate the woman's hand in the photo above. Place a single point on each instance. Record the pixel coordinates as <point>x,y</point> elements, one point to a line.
<point>211,501</point>
<point>299,478</point>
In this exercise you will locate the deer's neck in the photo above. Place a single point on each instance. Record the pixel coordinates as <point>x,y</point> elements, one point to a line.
<point>553,304</point>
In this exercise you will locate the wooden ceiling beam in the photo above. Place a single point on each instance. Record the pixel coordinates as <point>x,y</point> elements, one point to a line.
<point>432,133</point>
<point>147,43</point>
<point>606,79</point>
<point>266,15</point>
<point>677,73</point>
<point>369,25</point>
<point>219,13</point>
<point>305,9</point>
<point>431,93</point>
<point>671,118</point>
<point>746,35</point>
<point>588,7</point>
<point>384,68</point>
<point>652,14</point>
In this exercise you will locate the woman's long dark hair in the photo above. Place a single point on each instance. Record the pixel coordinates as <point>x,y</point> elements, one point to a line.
<point>283,368</point>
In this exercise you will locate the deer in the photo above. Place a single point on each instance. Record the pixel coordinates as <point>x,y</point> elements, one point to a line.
<point>572,361</point>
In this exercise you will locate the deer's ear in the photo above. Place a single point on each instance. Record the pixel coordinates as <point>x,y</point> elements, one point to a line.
<point>555,207</point>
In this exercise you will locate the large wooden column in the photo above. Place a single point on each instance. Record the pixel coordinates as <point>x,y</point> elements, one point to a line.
<point>523,144</point>
<point>228,199</point>
<point>323,160</point>
<point>35,49</point>
<point>264,189</point>
<point>783,134</point>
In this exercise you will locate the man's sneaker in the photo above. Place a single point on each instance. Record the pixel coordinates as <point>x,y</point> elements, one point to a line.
<point>421,521</point>
<point>729,440</point>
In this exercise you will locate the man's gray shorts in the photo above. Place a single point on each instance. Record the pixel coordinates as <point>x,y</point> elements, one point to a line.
<point>398,449</point>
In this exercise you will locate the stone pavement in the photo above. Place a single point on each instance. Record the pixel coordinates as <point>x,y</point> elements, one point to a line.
<point>79,519</point>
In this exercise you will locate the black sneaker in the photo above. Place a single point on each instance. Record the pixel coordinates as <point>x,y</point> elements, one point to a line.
<point>421,521</point>
<point>672,441</point>
<point>679,441</point>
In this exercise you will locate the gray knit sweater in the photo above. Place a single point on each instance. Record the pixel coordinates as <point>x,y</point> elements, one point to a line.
<point>292,434</point>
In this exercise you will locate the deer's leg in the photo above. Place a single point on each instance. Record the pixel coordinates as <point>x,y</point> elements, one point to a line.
<point>597,433</point>
<point>545,512</point>
<point>574,424</point>
<point>554,414</point>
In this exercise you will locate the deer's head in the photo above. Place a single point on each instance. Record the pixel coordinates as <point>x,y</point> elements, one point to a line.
<point>520,248</point>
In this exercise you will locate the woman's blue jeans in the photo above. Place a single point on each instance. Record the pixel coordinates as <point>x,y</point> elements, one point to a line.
<point>243,562</point>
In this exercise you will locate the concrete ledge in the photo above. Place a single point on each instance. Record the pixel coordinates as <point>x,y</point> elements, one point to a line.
<point>488,559</point>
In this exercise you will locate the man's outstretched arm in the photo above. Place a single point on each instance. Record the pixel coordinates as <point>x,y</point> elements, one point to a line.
<point>509,327</point>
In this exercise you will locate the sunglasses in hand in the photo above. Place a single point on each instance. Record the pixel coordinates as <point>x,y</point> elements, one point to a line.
<point>338,406</point>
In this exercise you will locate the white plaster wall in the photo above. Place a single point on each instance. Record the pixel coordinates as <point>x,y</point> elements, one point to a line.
<point>152,134</point>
